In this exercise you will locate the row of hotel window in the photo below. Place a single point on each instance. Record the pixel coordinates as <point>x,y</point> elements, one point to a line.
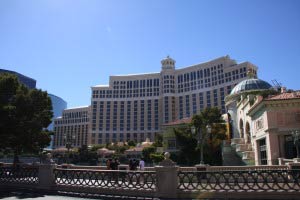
<point>114,137</point>
<point>71,121</point>
<point>68,117</point>
<point>121,116</point>
<point>185,111</point>
<point>118,114</point>
<point>79,114</point>
<point>80,132</point>
<point>186,82</point>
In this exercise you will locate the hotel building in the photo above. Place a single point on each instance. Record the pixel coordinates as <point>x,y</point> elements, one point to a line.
<point>133,107</point>
<point>72,127</point>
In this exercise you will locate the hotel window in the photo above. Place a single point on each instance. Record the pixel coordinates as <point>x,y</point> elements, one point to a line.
<point>194,103</point>
<point>149,105</point>
<point>115,114</point>
<point>201,101</point>
<point>94,115</point>
<point>122,116</point>
<point>108,116</point>
<point>187,106</point>
<point>101,116</point>
<point>135,137</point>
<point>128,115</point>
<point>128,137</point>
<point>114,137</point>
<point>222,100</point>
<point>228,89</point>
<point>142,137</point>
<point>100,138</point>
<point>121,137</point>
<point>142,126</point>
<point>215,97</point>
<point>166,106</point>
<point>135,113</point>
<point>156,113</point>
<point>180,107</point>
<point>208,100</point>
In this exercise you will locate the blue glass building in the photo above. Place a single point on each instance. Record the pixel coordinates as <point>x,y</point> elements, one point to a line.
<point>29,82</point>
<point>58,105</point>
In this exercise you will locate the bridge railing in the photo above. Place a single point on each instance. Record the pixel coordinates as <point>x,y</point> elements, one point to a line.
<point>164,181</point>
<point>107,179</point>
<point>240,181</point>
<point>19,174</point>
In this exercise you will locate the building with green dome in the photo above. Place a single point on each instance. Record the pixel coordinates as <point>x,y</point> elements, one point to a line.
<point>261,120</point>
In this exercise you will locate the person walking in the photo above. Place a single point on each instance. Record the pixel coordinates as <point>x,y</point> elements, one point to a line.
<point>142,164</point>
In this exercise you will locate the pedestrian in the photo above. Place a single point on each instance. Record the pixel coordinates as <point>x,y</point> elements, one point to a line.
<point>112,164</point>
<point>117,163</point>
<point>130,164</point>
<point>142,164</point>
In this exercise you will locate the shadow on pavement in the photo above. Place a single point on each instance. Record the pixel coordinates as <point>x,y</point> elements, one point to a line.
<point>20,194</point>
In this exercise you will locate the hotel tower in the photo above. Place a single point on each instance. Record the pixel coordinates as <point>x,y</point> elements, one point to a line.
<point>133,107</point>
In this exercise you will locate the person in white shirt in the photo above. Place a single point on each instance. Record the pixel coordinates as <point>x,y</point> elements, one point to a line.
<point>142,164</point>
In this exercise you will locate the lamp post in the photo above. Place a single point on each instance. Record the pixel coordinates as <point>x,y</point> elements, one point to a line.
<point>201,139</point>
<point>296,137</point>
<point>69,139</point>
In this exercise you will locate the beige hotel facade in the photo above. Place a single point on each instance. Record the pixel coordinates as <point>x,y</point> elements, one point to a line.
<point>133,107</point>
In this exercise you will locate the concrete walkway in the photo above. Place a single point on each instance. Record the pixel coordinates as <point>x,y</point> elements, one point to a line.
<point>17,195</point>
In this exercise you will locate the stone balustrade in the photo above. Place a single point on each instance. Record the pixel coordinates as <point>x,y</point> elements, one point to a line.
<point>167,180</point>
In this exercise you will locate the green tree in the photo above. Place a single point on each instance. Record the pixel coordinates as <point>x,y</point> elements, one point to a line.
<point>156,157</point>
<point>158,142</point>
<point>187,144</point>
<point>190,143</point>
<point>24,115</point>
<point>211,141</point>
<point>147,151</point>
<point>131,143</point>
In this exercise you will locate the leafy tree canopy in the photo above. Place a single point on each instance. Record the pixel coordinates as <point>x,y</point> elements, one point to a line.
<point>131,143</point>
<point>24,114</point>
<point>158,142</point>
<point>147,151</point>
<point>188,143</point>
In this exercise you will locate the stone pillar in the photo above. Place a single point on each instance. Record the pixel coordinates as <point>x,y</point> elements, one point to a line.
<point>280,161</point>
<point>46,176</point>
<point>167,180</point>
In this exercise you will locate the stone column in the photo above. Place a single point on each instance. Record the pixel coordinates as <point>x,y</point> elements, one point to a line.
<point>46,176</point>
<point>167,180</point>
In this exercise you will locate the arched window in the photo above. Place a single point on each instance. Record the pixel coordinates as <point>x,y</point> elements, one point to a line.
<point>241,128</point>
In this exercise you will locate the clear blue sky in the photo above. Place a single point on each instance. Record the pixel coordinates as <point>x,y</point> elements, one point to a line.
<point>70,45</point>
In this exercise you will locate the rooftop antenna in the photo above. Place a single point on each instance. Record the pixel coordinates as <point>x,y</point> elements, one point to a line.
<point>276,83</point>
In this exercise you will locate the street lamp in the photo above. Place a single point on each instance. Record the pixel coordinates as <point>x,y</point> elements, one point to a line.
<point>201,139</point>
<point>296,137</point>
<point>69,139</point>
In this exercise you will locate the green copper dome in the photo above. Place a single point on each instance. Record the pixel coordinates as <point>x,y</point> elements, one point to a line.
<point>250,84</point>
